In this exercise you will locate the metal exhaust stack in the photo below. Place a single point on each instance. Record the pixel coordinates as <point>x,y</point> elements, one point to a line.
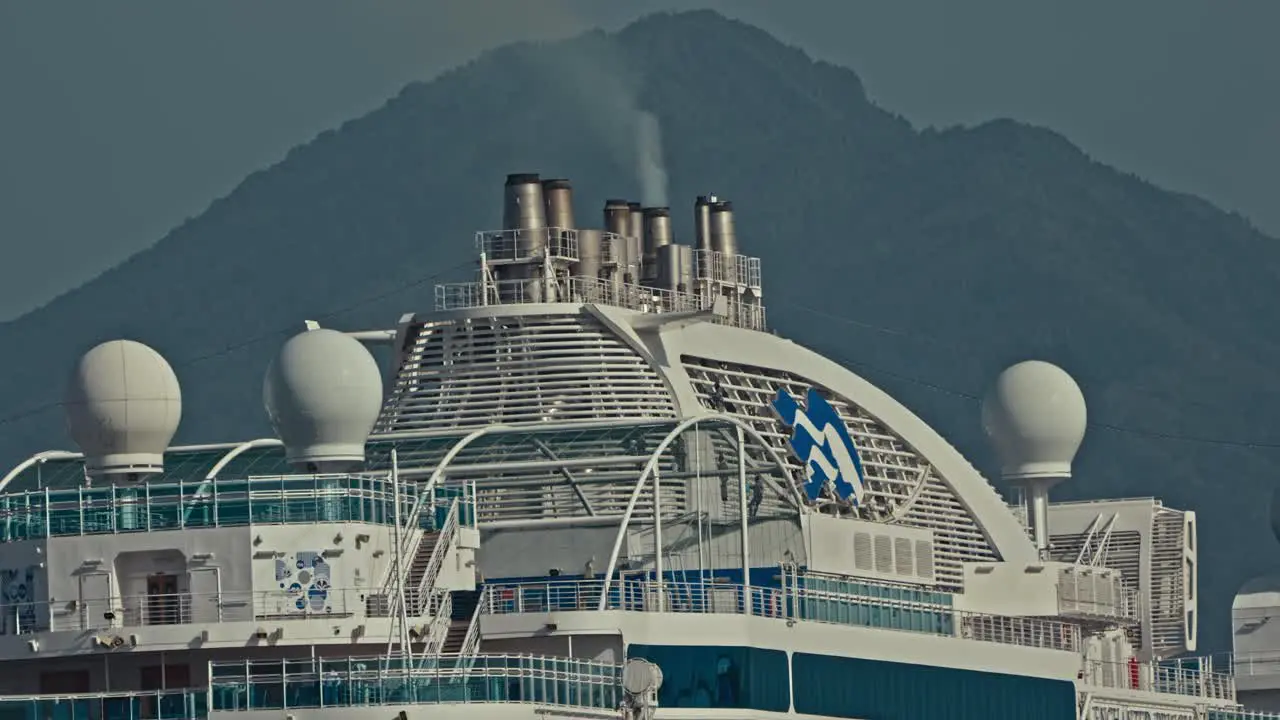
<point>558,196</point>
<point>675,268</point>
<point>617,220</point>
<point>635,235</point>
<point>657,235</point>
<point>723,239</point>
<point>702,221</point>
<point>524,221</point>
<point>523,207</point>
<point>590,254</point>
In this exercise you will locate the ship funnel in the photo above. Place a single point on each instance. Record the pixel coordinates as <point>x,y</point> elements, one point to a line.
<point>635,221</point>
<point>523,206</point>
<point>702,221</point>
<point>657,234</point>
<point>557,196</point>
<point>617,217</point>
<point>723,239</point>
<point>675,267</point>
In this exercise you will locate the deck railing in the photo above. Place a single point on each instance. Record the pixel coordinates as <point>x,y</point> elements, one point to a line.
<point>791,604</point>
<point>370,681</point>
<point>110,614</point>
<point>1166,677</point>
<point>189,704</point>
<point>275,500</point>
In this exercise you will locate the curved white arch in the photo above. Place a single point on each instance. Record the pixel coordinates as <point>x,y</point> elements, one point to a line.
<point>36,459</point>
<point>453,453</point>
<point>653,464</point>
<point>239,450</point>
<point>722,343</point>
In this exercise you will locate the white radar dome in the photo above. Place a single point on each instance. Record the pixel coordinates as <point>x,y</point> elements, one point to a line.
<point>123,406</point>
<point>323,393</point>
<point>1035,417</point>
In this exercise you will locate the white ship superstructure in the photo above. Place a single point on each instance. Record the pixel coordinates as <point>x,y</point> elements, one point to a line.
<point>589,484</point>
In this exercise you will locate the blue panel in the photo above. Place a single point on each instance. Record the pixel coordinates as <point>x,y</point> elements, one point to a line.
<point>719,677</point>
<point>858,688</point>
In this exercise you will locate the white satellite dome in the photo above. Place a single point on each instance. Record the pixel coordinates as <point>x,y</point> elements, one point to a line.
<point>323,393</point>
<point>1035,417</point>
<point>123,406</point>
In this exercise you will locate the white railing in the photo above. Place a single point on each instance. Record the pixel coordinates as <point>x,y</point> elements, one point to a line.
<point>536,243</point>
<point>1159,678</point>
<point>441,609</point>
<point>1241,714</point>
<point>179,609</point>
<point>1259,663</point>
<point>443,541</point>
<point>411,537</point>
<point>460,296</point>
<point>471,642</point>
<point>331,682</point>
<point>791,604</point>
<point>733,269</point>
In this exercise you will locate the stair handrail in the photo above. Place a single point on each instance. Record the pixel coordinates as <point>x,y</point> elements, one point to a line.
<point>409,541</point>
<point>471,641</point>
<point>438,630</point>
<point>443,540</point>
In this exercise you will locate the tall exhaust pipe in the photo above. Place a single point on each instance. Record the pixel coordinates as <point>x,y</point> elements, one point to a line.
<point>617,220</point>
<point>558,196</point>
<point>723,239</point>
<point>686,268</point>
<point>635,227</point>
<point>523,207</point>
<point>590,255</point>
<point>675,268</point>
<point>657,234</point>
<point>524,220</point>
<point>635,242</point>
<point>702,221</point>
<point>617,216</point>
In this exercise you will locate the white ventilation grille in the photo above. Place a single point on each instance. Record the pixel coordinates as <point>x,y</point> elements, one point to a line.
<point>862,552</point>
<point>900,486</point>
<point>924,559</point>
<point>529,368</point>
<point>1168,582</point>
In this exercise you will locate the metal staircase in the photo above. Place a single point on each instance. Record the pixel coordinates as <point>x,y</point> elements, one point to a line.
<point>464,615</point>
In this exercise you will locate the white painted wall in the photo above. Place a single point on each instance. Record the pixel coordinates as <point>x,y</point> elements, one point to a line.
<point>1010,589</point>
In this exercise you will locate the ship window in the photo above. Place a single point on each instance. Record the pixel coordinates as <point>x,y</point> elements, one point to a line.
<point>859,688</point>
<point>719,677</point>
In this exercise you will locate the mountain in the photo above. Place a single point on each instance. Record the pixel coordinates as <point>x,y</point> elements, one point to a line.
<point>925,259</point>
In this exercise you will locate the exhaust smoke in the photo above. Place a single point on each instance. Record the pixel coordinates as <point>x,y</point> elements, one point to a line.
<point>651,171</point>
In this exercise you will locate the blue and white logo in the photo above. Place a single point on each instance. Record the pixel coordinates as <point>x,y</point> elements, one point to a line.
<point>820,440</point>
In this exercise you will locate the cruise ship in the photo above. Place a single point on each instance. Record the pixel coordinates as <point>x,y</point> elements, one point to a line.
<point>592,483</point>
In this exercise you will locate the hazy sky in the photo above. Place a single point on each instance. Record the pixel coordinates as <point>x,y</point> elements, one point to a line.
<point>119,120</point>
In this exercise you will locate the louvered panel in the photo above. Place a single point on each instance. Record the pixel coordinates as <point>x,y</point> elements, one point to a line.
<point>531,368</point>
<point>892,469</point>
